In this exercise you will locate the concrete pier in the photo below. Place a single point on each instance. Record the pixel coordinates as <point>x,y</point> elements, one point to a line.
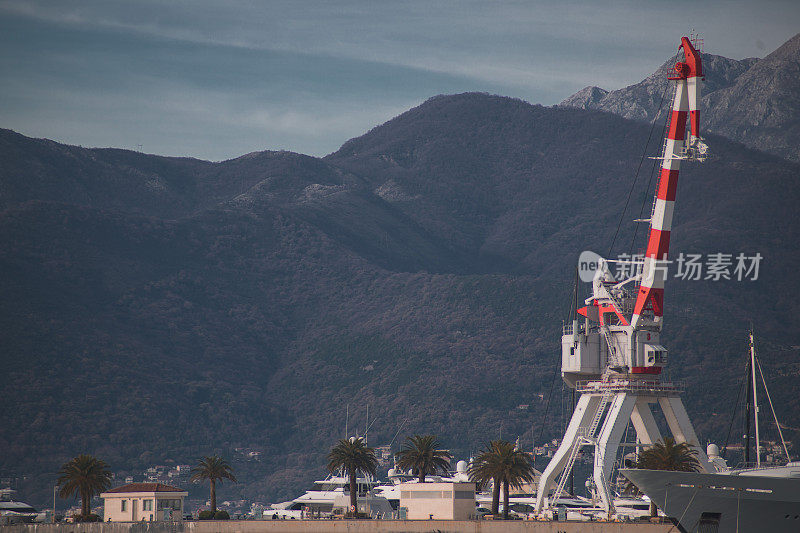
<point>341,526</point>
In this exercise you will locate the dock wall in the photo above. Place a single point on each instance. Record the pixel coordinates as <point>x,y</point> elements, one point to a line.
<point>341,526</point>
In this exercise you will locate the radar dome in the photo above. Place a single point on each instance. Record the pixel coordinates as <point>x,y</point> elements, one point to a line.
<point>392,472</point>
<point>712,450</point>
<point>461,467</point>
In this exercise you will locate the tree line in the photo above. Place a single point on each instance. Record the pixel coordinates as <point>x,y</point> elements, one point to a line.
<point>500,464</point>
<point>86,476</point>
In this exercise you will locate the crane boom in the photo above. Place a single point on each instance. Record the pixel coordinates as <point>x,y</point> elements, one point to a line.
<point>649,307</point>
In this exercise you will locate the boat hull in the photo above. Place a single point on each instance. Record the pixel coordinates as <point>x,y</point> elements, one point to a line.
<point>722,502</point>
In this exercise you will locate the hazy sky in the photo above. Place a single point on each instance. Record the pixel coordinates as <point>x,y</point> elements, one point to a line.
<point>219,79</point>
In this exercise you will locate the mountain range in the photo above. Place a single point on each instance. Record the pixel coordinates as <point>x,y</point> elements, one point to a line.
<point>157,309</point>
<point>753,101</point>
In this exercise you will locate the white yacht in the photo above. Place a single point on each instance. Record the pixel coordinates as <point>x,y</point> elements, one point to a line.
<point>330,494</point>
<point>759,497</point>
<point>14,512</point>
<point>391,490</point>
<point>522,503</point>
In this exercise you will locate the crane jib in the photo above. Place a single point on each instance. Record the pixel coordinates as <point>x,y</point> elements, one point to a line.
<point>688,73</point>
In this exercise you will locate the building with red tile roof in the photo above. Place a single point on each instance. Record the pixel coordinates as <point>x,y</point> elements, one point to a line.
<point>135,502</point>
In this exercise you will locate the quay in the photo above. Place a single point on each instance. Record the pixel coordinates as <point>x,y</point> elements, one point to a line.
<point>342,526</point>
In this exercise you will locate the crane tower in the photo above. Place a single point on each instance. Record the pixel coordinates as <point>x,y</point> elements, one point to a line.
<point>613,356</point>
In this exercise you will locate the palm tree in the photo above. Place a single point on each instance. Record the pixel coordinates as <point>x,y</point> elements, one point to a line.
<point>484,470</point>
<point>353,456</point>
<point>667,455</point>
<point>86,476</point>
<point>421,454</point>
<point>214,469</point>
<point>501,463</point>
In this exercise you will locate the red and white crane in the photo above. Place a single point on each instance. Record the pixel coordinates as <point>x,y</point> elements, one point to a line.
<point>649,308</point>
<point>614,357</point>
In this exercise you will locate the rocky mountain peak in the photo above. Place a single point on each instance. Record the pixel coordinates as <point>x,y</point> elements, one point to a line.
<point>586,98</point>
<point>762,109</point>
<point>753,101</point>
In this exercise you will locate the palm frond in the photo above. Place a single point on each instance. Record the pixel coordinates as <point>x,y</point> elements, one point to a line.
<point>212,467</point>
<point>421,454</point>
<point>501,461</point>
<point>669,455</point>
<point>352,455</point>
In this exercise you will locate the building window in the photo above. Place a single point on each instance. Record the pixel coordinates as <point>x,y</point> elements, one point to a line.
<point>429,494</point>
<point>124,506</point>
<point>147,505</point>
<point>169,504</point>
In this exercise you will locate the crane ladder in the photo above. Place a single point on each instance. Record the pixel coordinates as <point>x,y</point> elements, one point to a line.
<point>588,437</point>
<point>612,351</point>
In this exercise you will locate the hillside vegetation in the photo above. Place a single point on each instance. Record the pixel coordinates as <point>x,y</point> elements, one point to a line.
<point>160,309</point>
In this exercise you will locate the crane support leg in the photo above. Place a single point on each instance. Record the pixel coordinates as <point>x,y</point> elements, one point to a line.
<point>608,443</point>
<point>581,419</point>
<point>643,422</point>
<point>591,426</point>
<point>682,429</point>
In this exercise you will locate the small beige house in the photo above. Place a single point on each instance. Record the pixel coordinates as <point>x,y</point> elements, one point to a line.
<point>135,502</point>
<point>438,501</point>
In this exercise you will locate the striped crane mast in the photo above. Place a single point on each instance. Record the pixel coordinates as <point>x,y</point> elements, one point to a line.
<point>649,307</point>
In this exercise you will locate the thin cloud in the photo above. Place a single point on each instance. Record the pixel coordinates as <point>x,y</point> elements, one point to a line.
<point>215,79</point>
<point>506,39</point>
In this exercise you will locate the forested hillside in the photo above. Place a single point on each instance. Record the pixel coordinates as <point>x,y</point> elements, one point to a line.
<point>157,308</point>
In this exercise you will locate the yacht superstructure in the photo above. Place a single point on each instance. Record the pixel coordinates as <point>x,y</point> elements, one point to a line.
<point>16,512</point>
<point>330,493</point>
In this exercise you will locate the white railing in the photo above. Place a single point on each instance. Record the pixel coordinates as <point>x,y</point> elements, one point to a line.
<point>633,385</point>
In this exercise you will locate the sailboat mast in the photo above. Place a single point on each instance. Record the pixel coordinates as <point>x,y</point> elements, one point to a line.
<point>755,396</point>
<point>748,402</point>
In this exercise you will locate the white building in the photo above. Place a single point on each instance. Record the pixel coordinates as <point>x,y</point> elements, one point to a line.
<point>135,502</point>
<point>438,501</point>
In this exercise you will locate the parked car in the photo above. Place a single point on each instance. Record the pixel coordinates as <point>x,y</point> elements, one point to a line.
<point>481,512</point>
